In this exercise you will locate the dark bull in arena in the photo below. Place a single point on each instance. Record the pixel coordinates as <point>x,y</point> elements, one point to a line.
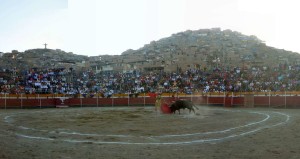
<point>182,104</point>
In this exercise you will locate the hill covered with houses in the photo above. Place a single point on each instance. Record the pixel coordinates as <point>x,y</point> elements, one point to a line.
<point>211,48</point>
<point>205,49</point>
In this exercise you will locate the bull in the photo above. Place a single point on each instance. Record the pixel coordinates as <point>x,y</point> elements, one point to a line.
<point>182,104</point>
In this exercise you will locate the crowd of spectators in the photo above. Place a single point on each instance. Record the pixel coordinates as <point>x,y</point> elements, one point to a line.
<point>66,81</point>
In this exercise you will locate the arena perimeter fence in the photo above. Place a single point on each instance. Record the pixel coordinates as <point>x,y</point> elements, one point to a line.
<point>226,99</point>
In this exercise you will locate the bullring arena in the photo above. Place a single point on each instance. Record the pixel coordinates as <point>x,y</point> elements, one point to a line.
<point>139,131</point>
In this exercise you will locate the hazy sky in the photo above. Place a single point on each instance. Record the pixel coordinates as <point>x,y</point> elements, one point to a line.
<point>97,27</point>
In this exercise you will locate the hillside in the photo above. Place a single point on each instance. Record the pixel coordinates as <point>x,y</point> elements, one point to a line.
<point>39,58</point>
<point>204,49</point>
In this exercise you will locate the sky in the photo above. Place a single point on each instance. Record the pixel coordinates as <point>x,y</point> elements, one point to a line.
<point>110,27</point>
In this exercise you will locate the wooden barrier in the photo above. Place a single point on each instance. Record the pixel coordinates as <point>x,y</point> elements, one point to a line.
<point>230,100</point>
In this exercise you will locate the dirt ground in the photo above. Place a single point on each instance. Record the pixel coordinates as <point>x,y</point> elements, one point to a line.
<point>141,132</point>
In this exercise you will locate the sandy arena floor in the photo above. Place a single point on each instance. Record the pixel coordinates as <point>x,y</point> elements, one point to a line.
<point>140,132</point>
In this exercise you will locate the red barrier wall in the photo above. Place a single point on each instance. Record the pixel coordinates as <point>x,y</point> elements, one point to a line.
<point>259,101</point>
<point>293,101</point>
<point>238,101</point>
<point>2,103</point>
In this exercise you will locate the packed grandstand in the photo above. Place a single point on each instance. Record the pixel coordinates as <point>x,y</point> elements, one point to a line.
<point>62,81</point>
